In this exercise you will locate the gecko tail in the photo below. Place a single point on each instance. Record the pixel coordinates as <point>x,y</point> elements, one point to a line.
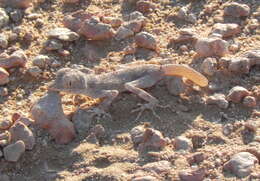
<point>187,72</point>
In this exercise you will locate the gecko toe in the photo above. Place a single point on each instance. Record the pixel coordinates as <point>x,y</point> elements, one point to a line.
<point>142,107</point>
<point>99,113</point>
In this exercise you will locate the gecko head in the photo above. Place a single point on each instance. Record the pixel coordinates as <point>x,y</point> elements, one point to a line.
<point>68,80</point>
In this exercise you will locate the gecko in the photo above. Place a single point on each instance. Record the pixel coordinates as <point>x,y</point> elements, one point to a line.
<point>133,79</point>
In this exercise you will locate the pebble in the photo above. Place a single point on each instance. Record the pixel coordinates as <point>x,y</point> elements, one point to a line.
<point>47,112</point>
<point>241,164</point>
<point>5,138</point>
<point>209,66</point>
<point>253,56</point>
<point>227,129</point>
<point>114,22</point>
<point>3,41</point>
<point>123,33</point>
<point>192,175</point>
<point>206,47</point>
<point>175,85</point>
<point>41,61</point>
<point>16,59</point>
<point>183,14</point>
<point>234,48</point>
<point>16,15</point>
<point>146,40</point>
<point>239,65</point>
<point>236,9</point>
<point>34,71</point>
<point>92,29</point>
<point>219,100</point>
<point>249,101</point>
<point>20,131</point>
<point>226,30</point>
<point>3,91</point>
<point>182,143</point>
<point>4,18</point>
<point>158,167</point>
<point>53,44</point>
<point>4,76</point>
<point>13,152</point>
<point>145,6</point>
<point>63,34</point>
<point>6,124</point>
<point>237,93</point>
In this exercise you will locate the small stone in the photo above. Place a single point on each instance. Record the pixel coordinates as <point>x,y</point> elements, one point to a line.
<point>5,138</point>
<point>63,34</point>
<point>114,22</point>
<point>206,47</point>
<point>41,61</point>
<point>35,71</point>
<point>241,164</point>
<point>253,56</point>
<point>158,167</point>
<point>226,30</point>
<point>209,66</point>
<point>219,100</point>
<point>237,93</point>
<point>145,40</point>
<point>135,25</point>
<point>236,9</point>
<point>123,33</point>
<point>92,29</point>
<point>4,18</point>
<point>20,131</point>
<point>3,91</point>
<point>184,48</point>
<point>183,14</point>
<point>3,41</point>
<point>182,143</point>
<point>16,59</point>
<point>99,131</point>
<point>192,175</point>
<point>239,65</point>
<point>175,85</point>
<point>4,76</point>
<point>145,6</point>
<point>136,15</point>
<point>14,151</point>
<point>51,45</point>
<point>227,129</point>
<point>16,15</point>
<point>249,101</point>
<point>234,48</point>
<point>5,124</point>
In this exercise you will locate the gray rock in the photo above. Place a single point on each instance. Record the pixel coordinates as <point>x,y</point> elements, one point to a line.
<point>209,66</point>
<point>16,15</point>
<point>146,40</point>
<point>219,100</point>
<point>182,143</point>
<point>123,33</point>
<point>3,41</point>
<point>236,9</point>
<point>3,91</point>
<point>158,167</point>
<point>41,61</point>
<point>64,34</point>
<point>183,14</point>
<point>192,175</point>
<point>53,45</point>
<point>34,71</point>
<point>226,30</point>
<point>253,56</point>
<point>4,18</point>
<point>239,65</point>
<point>175,85</point>
<point>14,151</point>
<point>241,164</point>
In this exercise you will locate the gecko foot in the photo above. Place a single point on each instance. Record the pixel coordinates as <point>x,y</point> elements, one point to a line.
<point>99,113</point>
<point>148,106</point>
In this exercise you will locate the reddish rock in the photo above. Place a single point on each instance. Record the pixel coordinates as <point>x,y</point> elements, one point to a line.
<point>48,114</point>
<point>239,65</point>
<point>236,94</point>
<point>145,40</point>
<point>226,30</point>
<point>92,29</point>
<point>253,56</point>
<point>114,22</point>
<point>145,6</point>
<point>20,131</point>
<point>4,76</point>
<point>206,47</point>
<point>236,9</point>
<point>16,59</point>
<point>14,151</point>
<point>249,101</point>
<point>219,100</point>
<point>192,175</point>
<point>123,33</point>
<point>158,167</point>
<point>135,25</point>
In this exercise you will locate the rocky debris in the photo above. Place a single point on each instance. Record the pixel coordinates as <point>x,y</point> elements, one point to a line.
<point>185,35</point>
<point>184,14</point>
<point>92,29</point>
<point>219,100</point>
<point>147,138</point>
<point>20,131</point>
<point>5,138</point>
<point>123,33</point>
<point>158,167</point>
<point>48,114</point>
<point>34,71</point>
<point>16,15</point>
<point>237,93</point>
<point>145,6</point>
<point>63,34</point>
<point>227,129</point>
<point>206,47</point>
<point>6,124</point>
<point>235,9</point>
<point>234,47</point>
<point>114,22</point>
<point>241,164</point>
<point>197,158</point>
<point>4,76</point>
<point>16,59</point>
<point>253,56</point>
<point>18,3</point>
<point>239,65</point>
<point>14,151</point>
<point>175,85</point>
<point>209,66</point>
<point>226,30</point>
<point>193,175</point>
<point>3,91</point>
<point>4,18</point>
<point>3,41</point>
<point>41,61</point>
<point>249,101</point>
<point>75,20</point>
<point>53,44</point>
<point>146,40</point>
<point>182,143</point>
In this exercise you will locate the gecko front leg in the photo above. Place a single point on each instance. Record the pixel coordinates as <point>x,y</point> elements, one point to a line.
<point>136,88</point>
